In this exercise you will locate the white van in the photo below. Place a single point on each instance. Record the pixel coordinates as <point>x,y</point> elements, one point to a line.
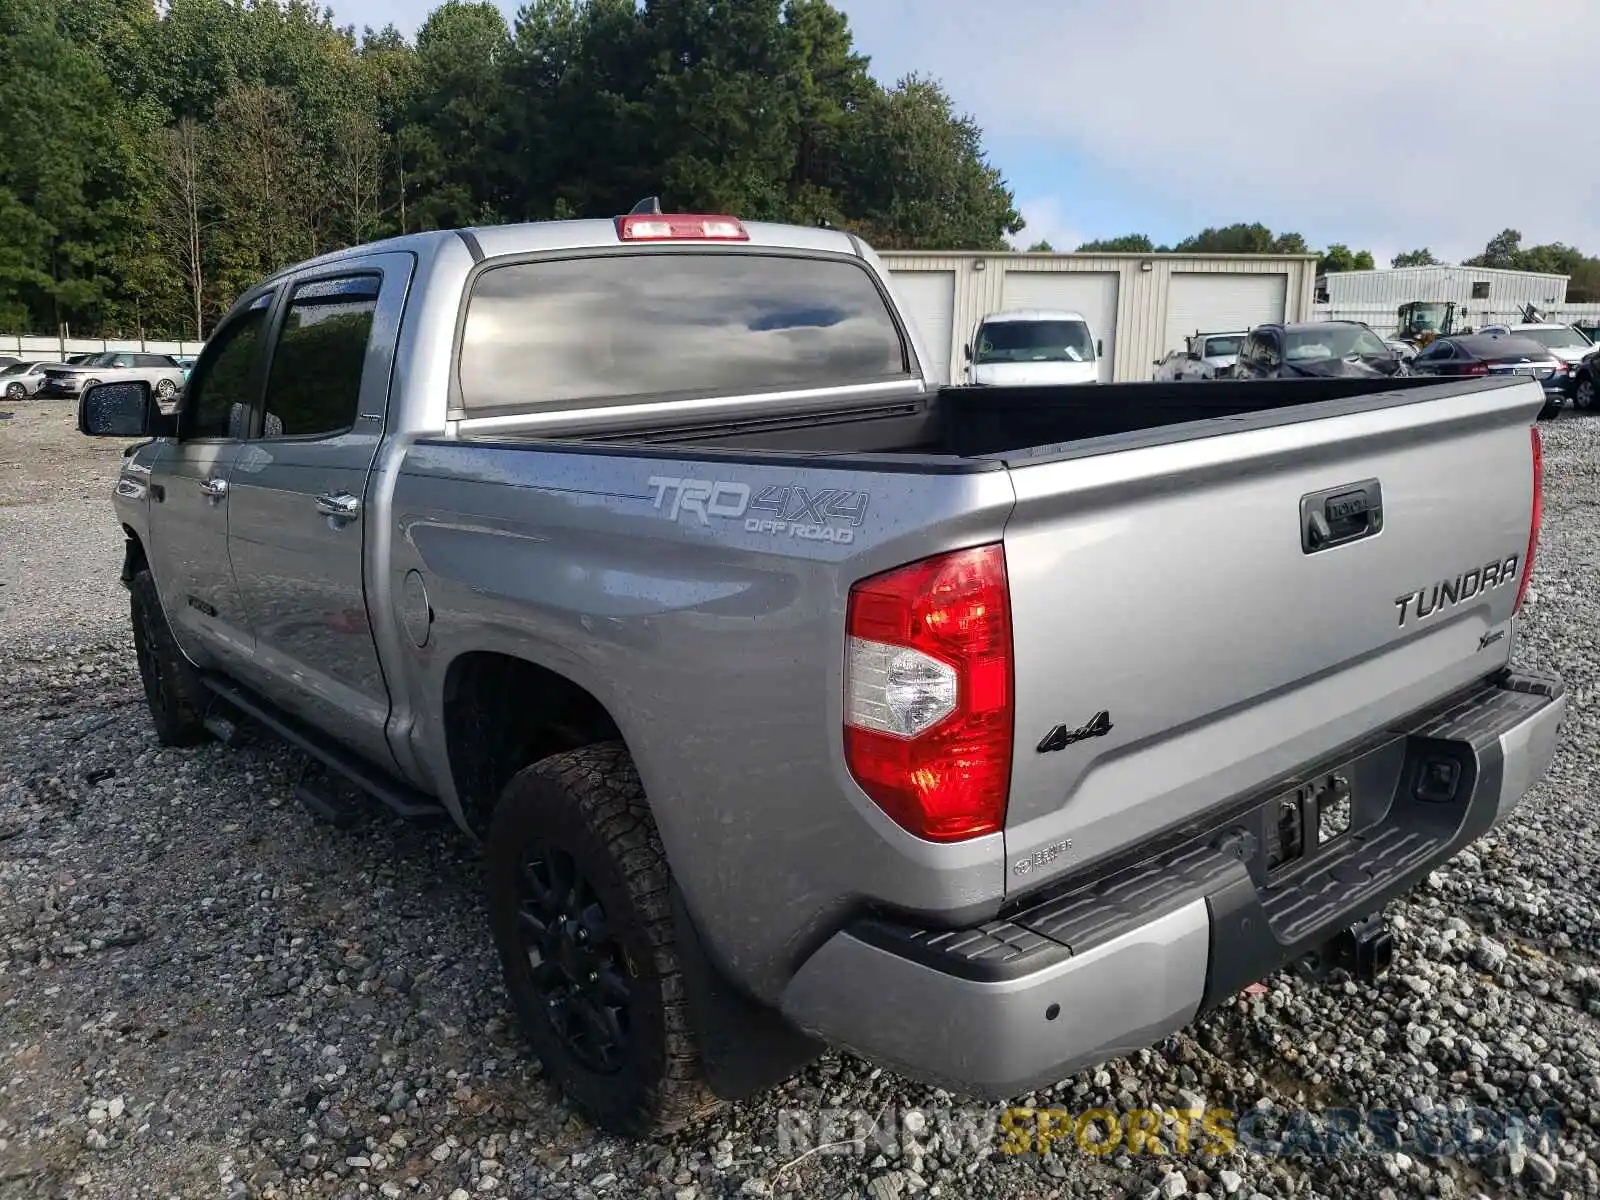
<point>1032,346</point>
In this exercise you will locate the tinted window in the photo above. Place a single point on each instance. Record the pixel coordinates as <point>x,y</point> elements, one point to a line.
<point>654,324</point>
<point>218,402</point>
<point>315,382</point>
<point>153,360</point>
<point>1220,347</point>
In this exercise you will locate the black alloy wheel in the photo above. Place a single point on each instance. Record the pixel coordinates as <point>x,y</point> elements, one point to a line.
<point>579,968</point>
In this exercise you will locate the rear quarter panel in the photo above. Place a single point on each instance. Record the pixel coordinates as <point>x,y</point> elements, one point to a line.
<point>717,645</point>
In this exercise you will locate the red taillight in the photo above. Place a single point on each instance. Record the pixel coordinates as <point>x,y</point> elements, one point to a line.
<point>928,711</point>
<point>1538,516</point>
<point>1475,369</point>
<point>667,227</point>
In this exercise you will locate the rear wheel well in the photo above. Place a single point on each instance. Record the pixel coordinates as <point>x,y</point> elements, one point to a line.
<point>503,713</point>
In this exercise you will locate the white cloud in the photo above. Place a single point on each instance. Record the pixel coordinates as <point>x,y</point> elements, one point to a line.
<point>1381,123</point>
<point>1046,222</point>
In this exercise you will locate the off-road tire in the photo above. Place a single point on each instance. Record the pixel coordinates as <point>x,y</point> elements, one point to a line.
<point>177,698</point>
<point>589,804</point>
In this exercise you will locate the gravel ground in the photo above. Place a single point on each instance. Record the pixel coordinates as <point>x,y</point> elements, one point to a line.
<point>206,993</point>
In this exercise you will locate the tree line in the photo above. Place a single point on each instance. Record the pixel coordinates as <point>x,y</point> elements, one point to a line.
<point>1504,250</point>
<point>156,162</point>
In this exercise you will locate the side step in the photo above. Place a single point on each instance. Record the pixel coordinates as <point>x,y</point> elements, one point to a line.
<point>400,798</point>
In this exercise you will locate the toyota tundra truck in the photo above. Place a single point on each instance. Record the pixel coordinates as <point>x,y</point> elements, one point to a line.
<point>798,701</point>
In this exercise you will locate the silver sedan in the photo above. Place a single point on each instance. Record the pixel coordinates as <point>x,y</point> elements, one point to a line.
<point>22,379</point>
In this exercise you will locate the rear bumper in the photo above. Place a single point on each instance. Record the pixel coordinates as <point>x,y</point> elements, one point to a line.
<point>1072,980</point>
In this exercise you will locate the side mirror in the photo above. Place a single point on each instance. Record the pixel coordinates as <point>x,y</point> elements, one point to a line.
<point>120,410</point>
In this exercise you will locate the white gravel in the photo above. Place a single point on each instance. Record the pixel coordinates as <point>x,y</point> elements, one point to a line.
<point>205,993</point>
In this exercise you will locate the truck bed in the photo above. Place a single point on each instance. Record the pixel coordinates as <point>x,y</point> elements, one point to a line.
<point>985,427</point>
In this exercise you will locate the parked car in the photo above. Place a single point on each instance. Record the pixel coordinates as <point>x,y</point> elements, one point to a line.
<point>163,375</point>
<point>797,700</point>
<point>1316,349</point>
<point>1495,354</point>
<point>1032,346</point>
<point>1404,351</point>
<point>1566,343</point>
<point>1585,380</point>
<point>9,360</point>
<point>1204,356</point>
<point>22,379</point>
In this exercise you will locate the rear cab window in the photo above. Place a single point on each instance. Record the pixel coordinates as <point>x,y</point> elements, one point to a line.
<point>576,332</point>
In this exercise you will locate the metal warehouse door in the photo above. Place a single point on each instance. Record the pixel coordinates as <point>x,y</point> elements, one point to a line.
<point>929,300</point>
<point>1091,294</point>
<point>1212,302</point>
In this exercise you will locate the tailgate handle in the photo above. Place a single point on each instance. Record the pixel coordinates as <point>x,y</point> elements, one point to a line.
<point>1339,515</point>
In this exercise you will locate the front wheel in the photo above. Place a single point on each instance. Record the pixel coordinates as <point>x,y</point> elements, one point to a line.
<point>166,389</point>
<point>173,690</point>
<point>15,391</point>
<point>1583,397</point>
<point>579,905</point>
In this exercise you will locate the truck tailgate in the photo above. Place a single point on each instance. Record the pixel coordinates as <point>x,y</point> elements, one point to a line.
<point>1196,620</point>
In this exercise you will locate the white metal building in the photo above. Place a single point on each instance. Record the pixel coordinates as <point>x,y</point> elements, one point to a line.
<point>1483,295</point>
<point>1483,287</point>
<point>1138,305</point>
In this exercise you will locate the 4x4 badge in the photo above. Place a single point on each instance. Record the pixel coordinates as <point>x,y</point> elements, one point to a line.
<point>1061,737</point>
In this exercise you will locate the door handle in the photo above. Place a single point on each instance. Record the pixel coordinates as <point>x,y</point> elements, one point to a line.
<point>339,505</point>
<point>214,489</point>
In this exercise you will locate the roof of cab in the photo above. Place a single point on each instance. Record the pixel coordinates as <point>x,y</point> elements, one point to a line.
<point>534,237</point>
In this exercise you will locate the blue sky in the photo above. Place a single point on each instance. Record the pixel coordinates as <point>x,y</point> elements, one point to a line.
<point>1385,124</point>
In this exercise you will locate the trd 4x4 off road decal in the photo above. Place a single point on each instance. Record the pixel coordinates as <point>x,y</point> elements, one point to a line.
<point>792,510</point>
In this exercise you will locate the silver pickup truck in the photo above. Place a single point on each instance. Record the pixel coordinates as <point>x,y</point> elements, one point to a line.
<point>988,733</point>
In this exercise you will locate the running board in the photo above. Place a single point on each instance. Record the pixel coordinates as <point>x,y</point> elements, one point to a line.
<point>400,798</point>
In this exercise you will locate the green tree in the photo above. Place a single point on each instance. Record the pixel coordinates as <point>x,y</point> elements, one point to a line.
<point>1415,258</point>
<point>456,126</point>
<point>1229,239</point>
<point>1128,243</point>
<point>1339,257</point>
<point>1502,251</point>
<point>915,176</point>
<point>1042,246</point>
<point>61,165</point>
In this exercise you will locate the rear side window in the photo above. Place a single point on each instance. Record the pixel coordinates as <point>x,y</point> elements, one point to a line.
<point>594,329</point>
<point>314,387</point>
